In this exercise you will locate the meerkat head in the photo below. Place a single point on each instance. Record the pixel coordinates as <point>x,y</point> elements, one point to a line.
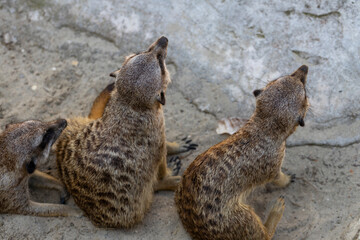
<point>284,99</point>
<point>25,144</point>
<point>143,78</point>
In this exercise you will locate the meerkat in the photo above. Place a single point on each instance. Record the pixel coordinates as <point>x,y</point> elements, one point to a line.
<point>112,164</point>
<point>98,108</point>
<point>211,196</point>
<point>24,146</point>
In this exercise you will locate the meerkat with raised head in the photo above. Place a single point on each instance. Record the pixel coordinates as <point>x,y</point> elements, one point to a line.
<point>24,146</point>
<point>111,164</point>
<point>98,108</point>
<point>211,197</point>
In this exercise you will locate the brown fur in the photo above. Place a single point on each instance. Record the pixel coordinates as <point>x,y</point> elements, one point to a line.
<point>98,107</point>
<point>112,165</point>
<point>101,102</point>
<point>212,193</point>
<point>24,146</point>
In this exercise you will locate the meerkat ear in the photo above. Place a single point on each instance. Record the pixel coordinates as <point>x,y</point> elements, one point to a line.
<point>115,73</point>
<point>257,92</point>
<point>161,98</point>
<point>301,122</point>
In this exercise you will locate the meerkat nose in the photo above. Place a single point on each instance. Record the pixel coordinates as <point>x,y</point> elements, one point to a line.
<point>304,68</point>
<point>162,42</point>
<point>62,123</point>
<point>301,73</point>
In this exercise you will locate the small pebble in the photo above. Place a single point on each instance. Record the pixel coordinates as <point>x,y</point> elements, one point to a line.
<point>34,87</point>
<point>74,63</point>
<point>7,38</point>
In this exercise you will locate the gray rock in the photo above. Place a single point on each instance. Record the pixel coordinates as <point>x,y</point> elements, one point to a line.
<point>226,49</point>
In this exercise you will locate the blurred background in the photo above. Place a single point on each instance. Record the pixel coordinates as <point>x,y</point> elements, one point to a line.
<point>56,56</point>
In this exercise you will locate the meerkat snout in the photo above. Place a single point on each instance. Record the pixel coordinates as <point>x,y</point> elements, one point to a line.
<point>52,133</point>
<point>304,68</point>
<point>301,73</point>
<point>162,42</point>
<point>160,48</point>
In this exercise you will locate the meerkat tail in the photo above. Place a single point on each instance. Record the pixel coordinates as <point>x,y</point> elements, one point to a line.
<point>50,210</point>
<point>100,102</point>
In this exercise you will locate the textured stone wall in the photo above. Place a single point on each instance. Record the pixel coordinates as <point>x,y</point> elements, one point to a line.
<point>233,47</point>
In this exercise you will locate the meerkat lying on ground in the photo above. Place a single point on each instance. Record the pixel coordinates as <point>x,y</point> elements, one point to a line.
<point>211,197</point>
<point>24,146</point>
<point>112,163</point>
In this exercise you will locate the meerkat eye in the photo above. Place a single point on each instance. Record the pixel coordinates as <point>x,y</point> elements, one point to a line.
<point>257,92</point>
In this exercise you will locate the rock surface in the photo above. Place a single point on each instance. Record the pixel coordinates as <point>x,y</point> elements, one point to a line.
<point>56,55</point>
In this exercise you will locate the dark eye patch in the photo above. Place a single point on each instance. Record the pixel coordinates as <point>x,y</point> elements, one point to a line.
<point>31,166</point>
<point>47,137</point>
<point>161,63</point>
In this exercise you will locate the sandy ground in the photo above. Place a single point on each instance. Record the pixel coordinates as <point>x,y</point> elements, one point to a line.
<point>47,73</point>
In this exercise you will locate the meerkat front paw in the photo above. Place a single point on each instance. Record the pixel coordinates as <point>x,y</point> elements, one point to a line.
<point>187,145</point>
<point>279,206</point>
<point>176,148</point>
<point>283,179</point>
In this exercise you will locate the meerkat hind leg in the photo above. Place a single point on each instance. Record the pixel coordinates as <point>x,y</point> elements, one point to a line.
<point>165,180</point>
<point>274,216</point>
<point>244,223</point>
<point>176,148</point>
<point>42,180</point>
<point>172,148</point>
<point>169,183</point>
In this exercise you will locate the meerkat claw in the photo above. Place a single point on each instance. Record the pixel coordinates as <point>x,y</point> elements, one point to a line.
<point>292,177</point>
<point>188,146</point>
<point>174,163</point>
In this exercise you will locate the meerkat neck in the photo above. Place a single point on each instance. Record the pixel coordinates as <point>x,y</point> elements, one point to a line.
<point>119,111</point>
<point>269,128</point>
